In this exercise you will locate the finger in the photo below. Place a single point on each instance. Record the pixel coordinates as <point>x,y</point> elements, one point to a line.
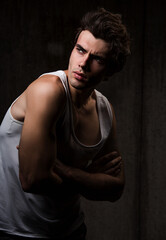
<point>115,161</point>
<point>104,163</point>
<point>17,147</point>
<point>114,169</point>
<point>117,171</point>
<point>106,158</point>
<point>56,178</point>
<point>112,164</point>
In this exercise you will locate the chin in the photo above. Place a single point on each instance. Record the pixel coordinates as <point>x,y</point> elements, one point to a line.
<point>78,87</point>
<point>77,84</point>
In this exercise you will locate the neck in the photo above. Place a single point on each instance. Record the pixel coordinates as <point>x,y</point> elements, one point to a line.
<point>80,97</point>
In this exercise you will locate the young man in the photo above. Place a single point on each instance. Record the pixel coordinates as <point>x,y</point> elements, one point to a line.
<point>65,133</point>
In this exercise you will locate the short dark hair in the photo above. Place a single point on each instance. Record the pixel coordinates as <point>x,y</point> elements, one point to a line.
<point>108,26</point>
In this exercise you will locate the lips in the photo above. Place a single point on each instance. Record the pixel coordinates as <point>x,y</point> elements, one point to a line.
<point>80,76</point>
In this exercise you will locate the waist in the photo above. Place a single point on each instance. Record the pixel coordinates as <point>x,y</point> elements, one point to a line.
<point>78,233</point>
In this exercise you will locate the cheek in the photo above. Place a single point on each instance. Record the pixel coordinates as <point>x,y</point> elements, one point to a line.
<point>99,70</point>
<point>98,74</point>
<point>72,60</point>
<point>71,57</point>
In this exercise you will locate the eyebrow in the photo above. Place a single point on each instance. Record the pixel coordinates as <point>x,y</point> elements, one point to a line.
<point>80,47</point>
<point>93,55</point>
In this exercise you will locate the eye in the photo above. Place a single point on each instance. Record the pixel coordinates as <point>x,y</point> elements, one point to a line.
<point>99,60</point>
<point>80,50</point>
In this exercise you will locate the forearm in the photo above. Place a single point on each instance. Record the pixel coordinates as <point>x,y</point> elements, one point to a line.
<point>95,186</point>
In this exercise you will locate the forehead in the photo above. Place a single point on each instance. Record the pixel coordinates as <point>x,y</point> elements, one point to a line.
<point>93,45</point>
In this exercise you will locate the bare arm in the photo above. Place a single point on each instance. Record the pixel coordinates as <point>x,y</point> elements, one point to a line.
<point>104,178</point>
<point>37,149</point>
<point>41,172</point>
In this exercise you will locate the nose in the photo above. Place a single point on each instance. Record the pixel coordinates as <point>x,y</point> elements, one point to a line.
<point>85,62</point>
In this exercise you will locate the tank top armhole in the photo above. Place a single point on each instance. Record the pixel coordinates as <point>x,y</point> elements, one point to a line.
<point>105,114</point>
<point>63,78</point>
<point>10,113</point>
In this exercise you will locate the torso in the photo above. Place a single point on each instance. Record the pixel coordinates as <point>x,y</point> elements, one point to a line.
<point>86,121</point>
<point>86,124</point>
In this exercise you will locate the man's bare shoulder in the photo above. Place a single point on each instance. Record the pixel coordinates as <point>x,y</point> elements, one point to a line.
<point>45,96</point>
<point>47,84</point>
<point>46,88</point>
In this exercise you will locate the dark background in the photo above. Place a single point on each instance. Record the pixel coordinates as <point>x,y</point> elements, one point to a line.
<point>36,37</point>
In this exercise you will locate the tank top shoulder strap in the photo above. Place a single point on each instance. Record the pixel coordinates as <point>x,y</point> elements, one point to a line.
<point>105,114</point>
<point>62,75</point>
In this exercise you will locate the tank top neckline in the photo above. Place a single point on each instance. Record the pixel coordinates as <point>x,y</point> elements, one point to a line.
<point>72,120</point>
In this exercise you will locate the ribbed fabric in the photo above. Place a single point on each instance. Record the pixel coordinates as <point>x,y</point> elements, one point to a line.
<point>38,216</point>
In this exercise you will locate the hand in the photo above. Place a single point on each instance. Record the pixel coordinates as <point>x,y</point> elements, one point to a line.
<point>61,169</point>
<point>109,164</point>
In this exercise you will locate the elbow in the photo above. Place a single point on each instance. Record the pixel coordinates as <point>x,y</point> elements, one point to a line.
<point>115,196</point>
<point>117,192</point>
<point>30,184</point>
<point>36,185</point>
<point>26,183</point>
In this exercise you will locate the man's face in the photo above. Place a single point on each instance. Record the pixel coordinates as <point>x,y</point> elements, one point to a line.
<point>88,61</point>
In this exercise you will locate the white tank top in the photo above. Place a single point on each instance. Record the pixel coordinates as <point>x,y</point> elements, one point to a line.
<point>74,149</point>
<point>39,216</point>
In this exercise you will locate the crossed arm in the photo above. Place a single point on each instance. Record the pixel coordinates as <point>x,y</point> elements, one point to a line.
<point>41,172</point>
<point>94,183</point>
